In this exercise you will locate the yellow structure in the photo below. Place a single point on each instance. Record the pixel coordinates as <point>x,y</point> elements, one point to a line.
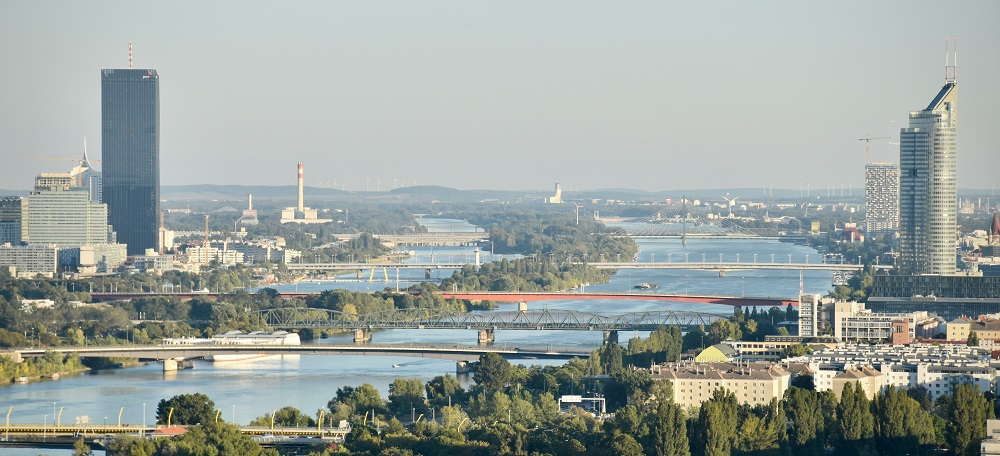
<point>960,329</point>
<point>871,380</point>
<point>718,353</point>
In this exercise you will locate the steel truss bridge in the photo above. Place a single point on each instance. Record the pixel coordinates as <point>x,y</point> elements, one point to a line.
<point>295,318</point>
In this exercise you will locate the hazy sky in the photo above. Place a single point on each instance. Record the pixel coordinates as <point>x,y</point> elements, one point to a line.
<point>503,95</point>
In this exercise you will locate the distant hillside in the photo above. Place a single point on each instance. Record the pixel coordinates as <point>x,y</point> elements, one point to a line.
<point>13,192</point>
<point>239,192</point>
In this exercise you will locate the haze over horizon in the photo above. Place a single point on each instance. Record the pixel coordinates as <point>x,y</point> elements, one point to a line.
<point>649,95</point>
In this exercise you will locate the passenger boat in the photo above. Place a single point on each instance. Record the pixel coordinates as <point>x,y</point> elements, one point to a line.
<point>256,338</point>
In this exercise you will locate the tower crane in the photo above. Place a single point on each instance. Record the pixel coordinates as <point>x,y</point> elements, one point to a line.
<point>868,140</point>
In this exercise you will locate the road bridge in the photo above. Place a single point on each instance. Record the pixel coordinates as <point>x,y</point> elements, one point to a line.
<point>700,265</point>
<point>505,296</point>
<point>182,351</point>
<point>434,239</point>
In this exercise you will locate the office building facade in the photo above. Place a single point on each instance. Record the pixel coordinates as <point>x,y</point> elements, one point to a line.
<point>881,198</point>
<point>130,150</point>
<point>11,219</point>
<point>65,217</point>
<point>928,186</point>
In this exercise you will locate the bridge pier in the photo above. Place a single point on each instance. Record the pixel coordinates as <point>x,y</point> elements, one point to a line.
<point>169,365</point>
<point>361,274</point>
<point>486,336</point>
<point>522,306</point>
<point>722,273</point>
<point>463,367</point>
<point>610,337</point>
<point>362,336</point>
<point>427,273</point>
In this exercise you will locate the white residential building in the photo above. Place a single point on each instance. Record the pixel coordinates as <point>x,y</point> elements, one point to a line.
<point>937,368</point>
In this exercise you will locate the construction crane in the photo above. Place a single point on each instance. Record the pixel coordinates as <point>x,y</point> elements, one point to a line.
<point>64,159</point>
<point>868,140</point>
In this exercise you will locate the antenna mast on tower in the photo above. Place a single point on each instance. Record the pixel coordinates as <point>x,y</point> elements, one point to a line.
<point>130,55</point>
<point>951,62</point>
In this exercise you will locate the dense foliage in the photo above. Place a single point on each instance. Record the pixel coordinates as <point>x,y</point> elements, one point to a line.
<point>514,410</point>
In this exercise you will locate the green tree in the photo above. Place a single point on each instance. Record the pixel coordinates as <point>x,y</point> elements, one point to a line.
<point>81,449</point>
<point>285,416</point>
<point>671,437</point>
<point>973,340</point>
<point>188,409</point>
<point>762,428</point>
<point>444,390</point>
<point>210,439</point>
<point>901,425</point>
<point>856,425</point>
<point>356,401</point>
<point>625,445</point>
<point>406,395</point>
<point>807,424</point>
<point>717,423</point>
<point>492,372</point>
<point>965,414</point>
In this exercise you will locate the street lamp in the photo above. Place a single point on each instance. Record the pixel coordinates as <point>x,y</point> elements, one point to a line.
<point>737,258</point>
<point>652,258</point>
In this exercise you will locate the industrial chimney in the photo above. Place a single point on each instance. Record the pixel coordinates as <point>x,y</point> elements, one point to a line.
<point>301,202</point>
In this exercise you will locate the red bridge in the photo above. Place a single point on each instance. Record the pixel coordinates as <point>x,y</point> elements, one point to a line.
<point>741,301</point>
<point>504,296</point>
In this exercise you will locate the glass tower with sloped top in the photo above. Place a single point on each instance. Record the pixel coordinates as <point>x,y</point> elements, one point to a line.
<point>928,158</point>
<point>130,152</point>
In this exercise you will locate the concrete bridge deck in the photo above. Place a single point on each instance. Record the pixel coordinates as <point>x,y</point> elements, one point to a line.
<point>162,352</point>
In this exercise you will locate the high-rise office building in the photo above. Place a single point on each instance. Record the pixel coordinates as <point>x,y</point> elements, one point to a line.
<point>65,217</point>
<point>881,198</point>
<point>928,186</point>
<point>130,151</point>
<point>11,219</point>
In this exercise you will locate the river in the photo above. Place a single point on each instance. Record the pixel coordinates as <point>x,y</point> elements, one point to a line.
<point>246,390</point>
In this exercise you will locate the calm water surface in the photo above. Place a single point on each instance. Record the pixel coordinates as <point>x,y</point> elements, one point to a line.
<point>246,390</point>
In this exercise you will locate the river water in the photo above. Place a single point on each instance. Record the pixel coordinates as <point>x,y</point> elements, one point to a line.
<point>246,390</point>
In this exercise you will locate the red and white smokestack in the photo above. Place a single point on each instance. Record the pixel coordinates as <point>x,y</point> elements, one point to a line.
<point>301,202</point>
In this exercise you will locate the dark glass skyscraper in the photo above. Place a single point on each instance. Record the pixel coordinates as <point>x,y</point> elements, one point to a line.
<point>130,151</point>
